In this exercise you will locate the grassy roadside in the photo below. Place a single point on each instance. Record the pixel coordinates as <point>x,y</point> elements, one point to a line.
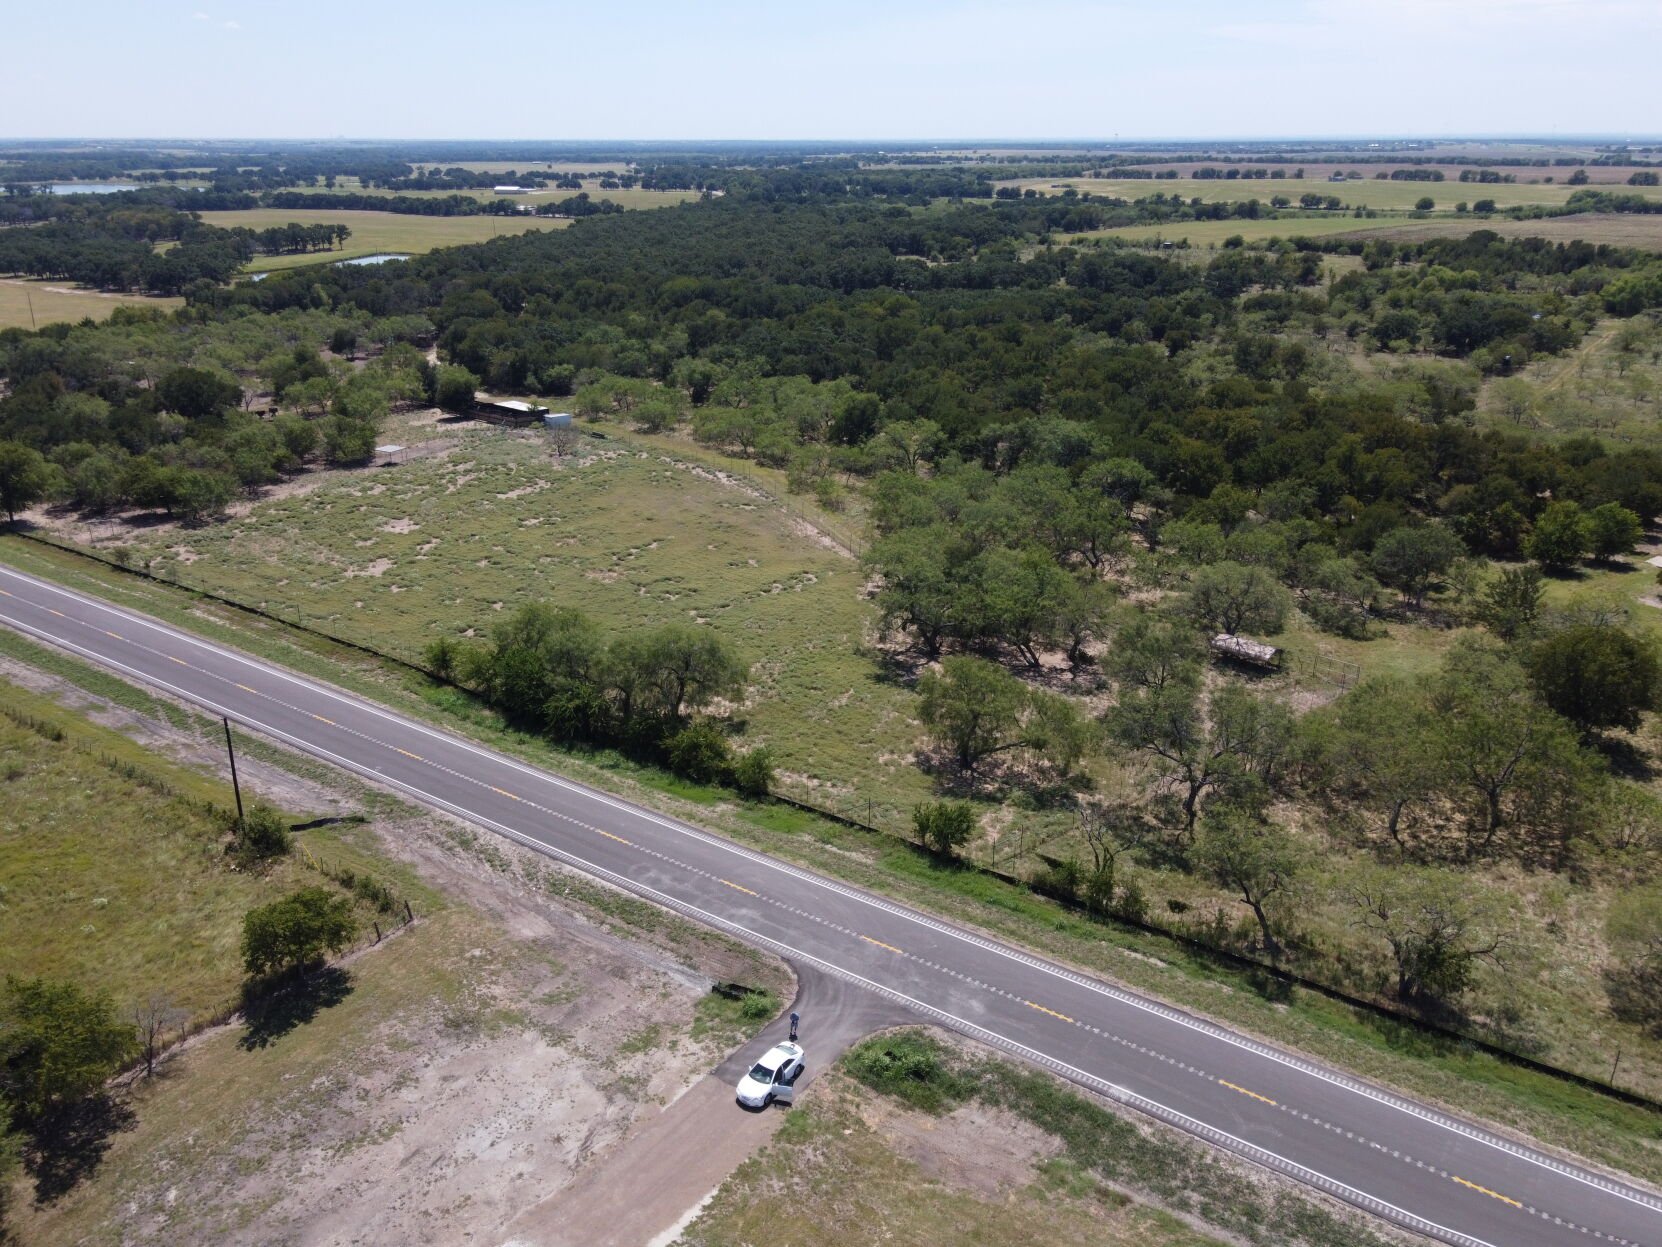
<point>113,870</point>
<point>1549,1109</point>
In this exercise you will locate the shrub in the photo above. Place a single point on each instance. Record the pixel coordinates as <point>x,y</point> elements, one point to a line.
<point>913,1068</point>
<point>700,752</point>
<point>753,773</point>
<point>440,657</point>
<point>261,835</point>
<point>1063,878</point>
<point>943,826</point>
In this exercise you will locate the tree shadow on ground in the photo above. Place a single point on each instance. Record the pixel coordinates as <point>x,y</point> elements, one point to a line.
<point>69,1145</point>
<point>272,1014</point>
<point>1626,758</point>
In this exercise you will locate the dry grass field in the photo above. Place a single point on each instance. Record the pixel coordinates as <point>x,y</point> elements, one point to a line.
<point>1213,233</point>
<point>1618,229</point>
<point>27,304</point>
<point>1366,193</point>
<point>375,232</point>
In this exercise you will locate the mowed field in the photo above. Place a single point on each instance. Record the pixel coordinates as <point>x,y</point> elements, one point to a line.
<point>27,304</point>
<point>1367,193</point>
<point>398,556</point>
<point>374,232</point>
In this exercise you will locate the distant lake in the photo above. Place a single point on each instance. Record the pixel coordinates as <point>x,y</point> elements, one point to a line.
<point>90,188</point>
<point>101,188</point>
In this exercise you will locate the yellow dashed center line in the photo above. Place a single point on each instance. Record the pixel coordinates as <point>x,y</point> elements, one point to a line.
<point>59,614</point>
<point>321,719</point>
<point>116,635</point>
<point>180,661</point>
<point>740,888</point>
<point>1042,1009</point>
<point>246,689</point>
<point>3,593</point>
<point>408,754</point>
<point>881,944</point>
<point>1483,1190</point>
<point>610,836</point>
<point>1234,1087</point>
<point>503,792</point>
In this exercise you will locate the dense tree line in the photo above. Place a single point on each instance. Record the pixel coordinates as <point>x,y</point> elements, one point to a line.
<point>116,249</point>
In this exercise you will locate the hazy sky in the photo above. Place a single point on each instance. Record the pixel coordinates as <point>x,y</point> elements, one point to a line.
<point>879,69</point>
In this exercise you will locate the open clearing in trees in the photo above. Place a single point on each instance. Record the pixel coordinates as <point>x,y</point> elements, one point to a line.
<point>375,232</point>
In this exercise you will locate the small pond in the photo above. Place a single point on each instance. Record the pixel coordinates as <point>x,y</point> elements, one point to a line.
<point>380,257</point>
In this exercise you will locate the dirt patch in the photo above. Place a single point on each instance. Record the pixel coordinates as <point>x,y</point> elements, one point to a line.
<point>379,567</point>
<point>988,1150</point>
<point>536,486</point>
<point>483,1058</point>
<point>403,524</point>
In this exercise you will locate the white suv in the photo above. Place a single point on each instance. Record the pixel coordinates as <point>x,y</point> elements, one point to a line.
<point>773,1077</point>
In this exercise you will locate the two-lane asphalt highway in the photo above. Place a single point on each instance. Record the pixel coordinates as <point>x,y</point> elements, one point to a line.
<point>1433,1173</point>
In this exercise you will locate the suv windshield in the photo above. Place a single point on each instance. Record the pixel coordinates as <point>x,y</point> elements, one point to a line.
<point>761,1073</point>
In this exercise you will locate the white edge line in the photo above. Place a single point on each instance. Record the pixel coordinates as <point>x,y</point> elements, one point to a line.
<point>1166,1012</point>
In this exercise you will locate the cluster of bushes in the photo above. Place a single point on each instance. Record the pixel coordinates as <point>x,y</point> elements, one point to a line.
<point>552,670</point>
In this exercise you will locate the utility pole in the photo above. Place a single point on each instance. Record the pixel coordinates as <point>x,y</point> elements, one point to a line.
<point>235,786</point>
<point>31,299</point>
